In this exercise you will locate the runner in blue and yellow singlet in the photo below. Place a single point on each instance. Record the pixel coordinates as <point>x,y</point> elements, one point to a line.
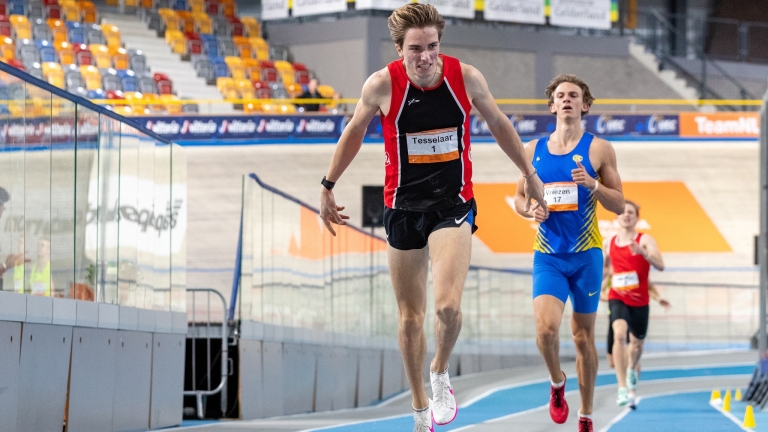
<point>578,171</point>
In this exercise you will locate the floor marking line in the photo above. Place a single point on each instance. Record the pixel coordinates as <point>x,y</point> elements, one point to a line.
<point>729,416</point>
<point>621,416</point>
<point>540,381</point>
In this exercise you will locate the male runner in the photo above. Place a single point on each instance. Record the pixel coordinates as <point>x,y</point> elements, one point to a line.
<point>578,170</point>
<point>653,292</point>
<point>425,99</point>
<point>631,254</point>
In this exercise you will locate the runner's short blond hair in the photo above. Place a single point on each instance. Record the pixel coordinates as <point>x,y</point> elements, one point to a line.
<point>414,15</point>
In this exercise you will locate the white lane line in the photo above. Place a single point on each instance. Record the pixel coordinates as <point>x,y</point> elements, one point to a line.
<point>729,416</point>
<point>512,386</point>
<point>623,414</point>
<point>673,393</point>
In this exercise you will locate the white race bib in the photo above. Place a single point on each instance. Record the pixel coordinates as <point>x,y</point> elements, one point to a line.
<point>439,145</point>
<point>38,288</point>
<point>561,196</point>
<point>625,281</point>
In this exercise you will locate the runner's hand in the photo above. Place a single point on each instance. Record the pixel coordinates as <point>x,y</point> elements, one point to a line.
<point>329,211</point>
<point>540,214</point>
<point>665,304</point>
<point>636,248</point>
<point>534,196</point>
<point>580,177</point>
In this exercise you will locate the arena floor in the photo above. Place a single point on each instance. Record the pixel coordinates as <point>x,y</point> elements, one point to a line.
<point>674,395</point>
<point>675,389</point>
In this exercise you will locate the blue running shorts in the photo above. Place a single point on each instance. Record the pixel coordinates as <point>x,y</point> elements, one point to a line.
<point>577,275</point>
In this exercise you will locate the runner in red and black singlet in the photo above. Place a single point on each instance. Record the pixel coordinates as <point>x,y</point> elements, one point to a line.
<point>426,141</point>
<point>424,100</point>
<point>631,256</point>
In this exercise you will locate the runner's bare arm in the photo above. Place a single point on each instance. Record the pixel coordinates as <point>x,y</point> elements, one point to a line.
<point>654,293</point>
<point>650,251</point>
<point>609,193</point>
<point>375,92</point>
<point>538,213</point>
<point>505,134</point>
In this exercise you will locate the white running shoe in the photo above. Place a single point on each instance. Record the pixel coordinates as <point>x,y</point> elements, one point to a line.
<point>444,407</point>
<point>423,420</point>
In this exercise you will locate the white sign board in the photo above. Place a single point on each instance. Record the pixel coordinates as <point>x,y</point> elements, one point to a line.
<point>454,8</point>
<point>581,13</point>
<point>274,9</point>
<point>315,7</point>
<point>523,11</point>
<point>380,4</point>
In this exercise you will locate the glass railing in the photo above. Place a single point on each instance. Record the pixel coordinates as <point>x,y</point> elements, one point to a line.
<point>296,275</point>
<point>92,206</point>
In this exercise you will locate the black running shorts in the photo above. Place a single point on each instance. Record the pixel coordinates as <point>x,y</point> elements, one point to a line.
<point>636,317</point>
<point>408,229</point>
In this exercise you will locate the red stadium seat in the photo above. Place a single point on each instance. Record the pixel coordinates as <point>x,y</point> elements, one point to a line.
<point>54,11</point>
<point>236,26</point>
<point>51,2</point>
<point>17,64</point>
<point>262,90</point>
<point>115,94</point>
<point>212,7</point>
<point>164,83</point>
<point>268,71</point>
<point>194,47</point>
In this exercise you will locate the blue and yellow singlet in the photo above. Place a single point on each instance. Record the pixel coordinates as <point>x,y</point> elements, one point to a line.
<point>572,223</point>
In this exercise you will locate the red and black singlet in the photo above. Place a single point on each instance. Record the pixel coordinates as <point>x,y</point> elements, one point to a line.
<point>426,142</point>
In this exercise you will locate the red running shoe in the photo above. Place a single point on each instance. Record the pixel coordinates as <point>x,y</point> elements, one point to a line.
<point>558,407</point>
<point>585,424</point>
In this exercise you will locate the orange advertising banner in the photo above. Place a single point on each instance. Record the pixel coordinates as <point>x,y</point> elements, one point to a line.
<point>720,125</point>
<point>668,211</point>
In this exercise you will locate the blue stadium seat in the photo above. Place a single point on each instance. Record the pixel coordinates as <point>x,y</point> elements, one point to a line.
<point>180,5</point>
<point>76,32</point>
<point>97,94</point>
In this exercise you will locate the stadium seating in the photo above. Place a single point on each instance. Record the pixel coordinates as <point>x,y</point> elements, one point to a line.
<point>62,42</point>
<point>226,50</point>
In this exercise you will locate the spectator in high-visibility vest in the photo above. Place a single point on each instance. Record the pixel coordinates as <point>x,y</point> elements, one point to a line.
<point>18,269</point>
<point>40,277</point>
<point>11,260</point>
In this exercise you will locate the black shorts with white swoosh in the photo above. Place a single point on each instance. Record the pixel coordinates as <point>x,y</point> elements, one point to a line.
<point>408,229</point>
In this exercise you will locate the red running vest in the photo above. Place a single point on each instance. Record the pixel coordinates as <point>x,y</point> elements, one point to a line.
<point>426,141</point>
<point>630,275</point>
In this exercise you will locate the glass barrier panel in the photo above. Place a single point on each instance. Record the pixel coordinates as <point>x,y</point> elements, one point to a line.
<point>86,130</point>
<point>103,237</point>
<point>127,266</point>
<point>175,211</point>
<point>12,195</point>
<point>37,193</point>
<point>60,124</point>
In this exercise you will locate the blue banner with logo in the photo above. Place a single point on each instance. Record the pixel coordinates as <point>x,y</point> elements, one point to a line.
<point>268,129</point>
<point>247,129</point>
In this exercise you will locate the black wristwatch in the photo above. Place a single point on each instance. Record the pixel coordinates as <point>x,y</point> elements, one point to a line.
<point>327,183</point>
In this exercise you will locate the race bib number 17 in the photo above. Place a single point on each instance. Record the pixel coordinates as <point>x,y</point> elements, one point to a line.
<point>439,145</point>
<point>561,196</point>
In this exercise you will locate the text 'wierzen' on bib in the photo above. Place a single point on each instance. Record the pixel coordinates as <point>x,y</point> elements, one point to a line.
<point>625,281</point>
<point>439,145</point>
<point>561,196</point>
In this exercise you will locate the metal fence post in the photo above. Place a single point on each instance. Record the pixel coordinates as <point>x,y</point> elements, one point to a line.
<point>763,242</point>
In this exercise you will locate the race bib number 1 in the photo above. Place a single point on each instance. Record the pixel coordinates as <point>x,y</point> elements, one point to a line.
<point>562,196</point>
<point>439,145</point>
<point>625,281</point>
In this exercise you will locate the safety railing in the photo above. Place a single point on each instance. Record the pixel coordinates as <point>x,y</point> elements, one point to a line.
<point>295,274</point>
<point>92,205</point>
<point>203,328</point>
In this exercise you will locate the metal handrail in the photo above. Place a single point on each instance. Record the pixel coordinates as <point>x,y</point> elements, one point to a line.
<point>668,59</point>
<point>199,394</point>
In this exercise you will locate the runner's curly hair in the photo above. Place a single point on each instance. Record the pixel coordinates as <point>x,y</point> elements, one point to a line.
<point>573,79</point>
<point>414,15</point>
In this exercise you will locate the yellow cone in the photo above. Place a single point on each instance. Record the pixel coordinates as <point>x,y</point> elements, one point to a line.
<point>749,418</point>
<point>727,401</point>
<point>737,396</point>
<point>715,395</point>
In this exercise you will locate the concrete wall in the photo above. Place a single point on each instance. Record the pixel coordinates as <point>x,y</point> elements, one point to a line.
<point>517,62</point>
<point>281,375</point>
<point>102,367</point>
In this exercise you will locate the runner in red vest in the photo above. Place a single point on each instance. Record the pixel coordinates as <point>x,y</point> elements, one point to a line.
<point>631,254</point>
